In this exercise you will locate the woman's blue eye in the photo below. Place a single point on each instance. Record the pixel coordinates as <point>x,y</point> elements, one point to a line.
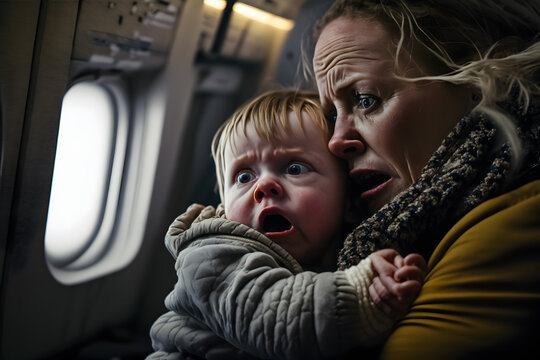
<point>245,177</point>
<point>297,169</point>
<point>331,118</point>
<point>364,100</point>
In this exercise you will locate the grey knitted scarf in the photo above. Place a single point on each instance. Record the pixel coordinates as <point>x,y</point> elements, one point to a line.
<point>471,166</point>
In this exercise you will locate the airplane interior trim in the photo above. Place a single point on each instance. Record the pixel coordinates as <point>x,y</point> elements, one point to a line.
<point>90,283</point>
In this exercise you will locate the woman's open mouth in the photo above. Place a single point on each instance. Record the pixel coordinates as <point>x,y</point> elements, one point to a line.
<point>370,183</point>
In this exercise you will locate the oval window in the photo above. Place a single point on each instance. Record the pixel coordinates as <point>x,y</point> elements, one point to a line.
<point>82,171</point>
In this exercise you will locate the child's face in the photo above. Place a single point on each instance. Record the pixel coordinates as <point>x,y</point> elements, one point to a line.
<point>291,189</point>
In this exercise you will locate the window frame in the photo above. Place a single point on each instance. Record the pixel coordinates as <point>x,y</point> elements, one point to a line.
<point>88,263</point>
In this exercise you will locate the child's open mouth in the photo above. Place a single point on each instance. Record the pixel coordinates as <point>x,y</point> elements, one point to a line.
<point>273,223</point>
<point>276,223</point>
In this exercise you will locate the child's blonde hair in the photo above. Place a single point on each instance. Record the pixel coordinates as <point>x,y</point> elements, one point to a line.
<point>269,115</point>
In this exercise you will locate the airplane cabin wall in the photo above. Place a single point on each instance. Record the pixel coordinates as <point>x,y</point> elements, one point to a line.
<point>18,18</point>
<point>41,318</point>
<point>30,315</point>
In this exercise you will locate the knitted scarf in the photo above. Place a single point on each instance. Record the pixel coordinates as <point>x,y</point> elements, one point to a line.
<point>472,165</point>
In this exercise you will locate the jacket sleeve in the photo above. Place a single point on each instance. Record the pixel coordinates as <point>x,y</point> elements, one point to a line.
<point>481,296</point>
<point>181,337</point>
<point>245,297</point>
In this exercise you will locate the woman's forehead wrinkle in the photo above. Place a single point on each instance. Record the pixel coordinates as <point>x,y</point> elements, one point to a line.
<point>334,53</point>
<point>339,77</point>
<point>335,61</point>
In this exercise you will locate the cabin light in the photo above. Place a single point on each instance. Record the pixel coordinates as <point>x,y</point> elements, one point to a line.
<point>263,16</point>
<point>255,14</point>
<point>216,4</point>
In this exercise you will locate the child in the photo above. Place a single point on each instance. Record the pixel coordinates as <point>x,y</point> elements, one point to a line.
<point>241,288</point>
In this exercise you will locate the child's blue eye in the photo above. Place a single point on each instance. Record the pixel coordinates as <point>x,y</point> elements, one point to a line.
<point>245,177</point>
<point>297,169</point>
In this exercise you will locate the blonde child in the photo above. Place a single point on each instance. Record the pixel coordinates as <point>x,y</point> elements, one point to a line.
<point>243,290</point>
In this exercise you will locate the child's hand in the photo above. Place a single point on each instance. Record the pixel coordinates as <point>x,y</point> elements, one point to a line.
<point>193,214</point>
<point>184,220</point>
<point>397,281</point>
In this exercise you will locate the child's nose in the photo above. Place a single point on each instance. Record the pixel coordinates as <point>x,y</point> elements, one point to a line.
<point>267,187</point>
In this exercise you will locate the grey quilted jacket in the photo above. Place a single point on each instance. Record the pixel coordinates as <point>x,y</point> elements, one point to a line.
<point>241,296</point>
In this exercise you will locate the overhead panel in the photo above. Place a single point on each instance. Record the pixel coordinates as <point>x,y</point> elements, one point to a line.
<point>125,34</point>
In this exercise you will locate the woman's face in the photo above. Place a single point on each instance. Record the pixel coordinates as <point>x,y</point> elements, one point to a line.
<point>386,128</point>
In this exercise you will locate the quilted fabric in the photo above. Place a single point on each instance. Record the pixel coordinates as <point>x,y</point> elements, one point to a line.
<point>239,295</point>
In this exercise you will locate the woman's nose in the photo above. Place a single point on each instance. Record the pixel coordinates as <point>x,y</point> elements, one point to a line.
<point>346,141</point>
<point>267,187</point>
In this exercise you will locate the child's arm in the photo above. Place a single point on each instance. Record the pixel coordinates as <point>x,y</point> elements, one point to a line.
<point>397,281</point>
<point>193,214</point>
<point>239,291</point>
<point>245,297</point>
<point>174,336</point>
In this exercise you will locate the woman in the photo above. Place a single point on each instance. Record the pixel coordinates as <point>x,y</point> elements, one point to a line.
<point>400,78</point>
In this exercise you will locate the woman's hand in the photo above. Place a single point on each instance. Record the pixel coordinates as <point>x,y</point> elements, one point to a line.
<point>398,280</point>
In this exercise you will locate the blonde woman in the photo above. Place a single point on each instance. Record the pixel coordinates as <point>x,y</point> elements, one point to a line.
<point>435,107</point>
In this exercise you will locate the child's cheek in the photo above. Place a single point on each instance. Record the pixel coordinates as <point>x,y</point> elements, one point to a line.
<point>238,211</point>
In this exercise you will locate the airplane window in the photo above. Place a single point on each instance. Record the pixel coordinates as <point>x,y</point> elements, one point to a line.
<point>83,170</point>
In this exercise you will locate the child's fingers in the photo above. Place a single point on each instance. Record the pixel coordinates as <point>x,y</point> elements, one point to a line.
<point>395,300</point>
<point>184,220</point>
<point>409,273</point>
<point>381,297</point>
<point>415,260</point>
<point>398,261</point>
<point>381,293</point>
<point>407,291</point>
<point>179,225</point>
<point>206,213</point>
<point>389,290</point>
<point>398,280</point>
<point>383,261</point>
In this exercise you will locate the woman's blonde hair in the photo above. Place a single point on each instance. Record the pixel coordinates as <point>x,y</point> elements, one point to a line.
<point>269,116</point>
<point>490,45</point>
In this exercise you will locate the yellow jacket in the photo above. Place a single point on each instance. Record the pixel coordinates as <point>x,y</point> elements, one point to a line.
<point>481,294</point>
